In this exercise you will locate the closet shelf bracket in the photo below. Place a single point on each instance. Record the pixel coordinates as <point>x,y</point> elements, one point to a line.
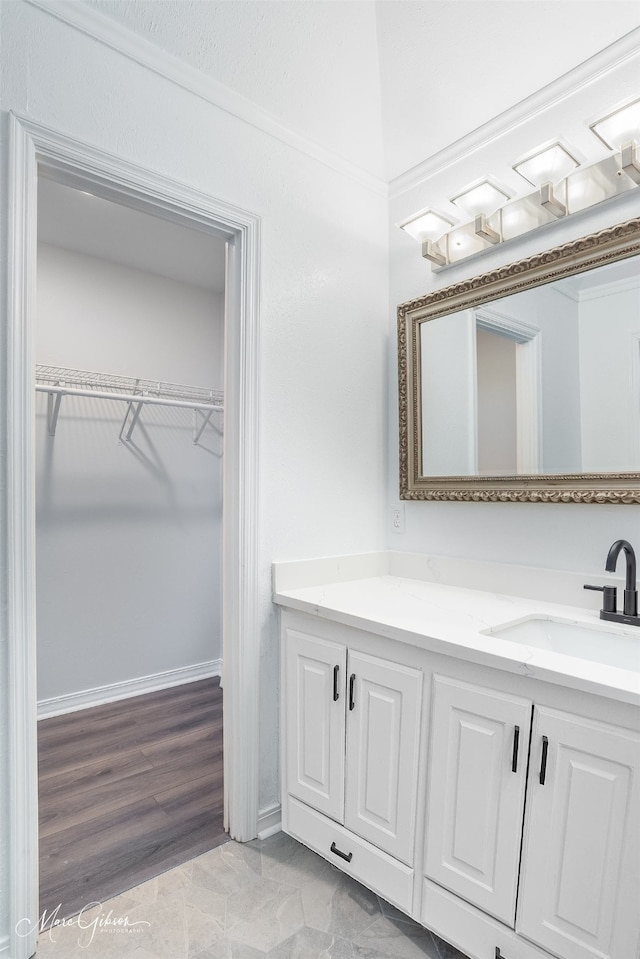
<point>53,409</point>
<point>199,427</point>
<point>132,424</point>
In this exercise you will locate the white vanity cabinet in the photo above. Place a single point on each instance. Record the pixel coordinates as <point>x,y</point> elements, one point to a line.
<point>581,847</point>
<point>477,775</point>
<point>383,734</point>
<point>352,729</point>
<point>580,862</point>
<point>315,721</point>
<point>501,811</point>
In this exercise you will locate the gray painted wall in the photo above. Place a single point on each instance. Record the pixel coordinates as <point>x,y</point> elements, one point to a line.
<point>128,534</point>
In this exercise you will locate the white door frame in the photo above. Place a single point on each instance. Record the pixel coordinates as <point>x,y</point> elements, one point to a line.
<point>35,148</point>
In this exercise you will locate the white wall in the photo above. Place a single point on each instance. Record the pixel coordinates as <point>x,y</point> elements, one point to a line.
<point>556,316</point>
<point>128,535</point>
<point>567,536</point>
<point>324,296</point>
<point>275,53</point>
<point>609,368</point>
<point>448,443</point>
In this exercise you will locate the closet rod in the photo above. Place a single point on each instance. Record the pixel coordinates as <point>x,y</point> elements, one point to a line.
<point>128,397</point>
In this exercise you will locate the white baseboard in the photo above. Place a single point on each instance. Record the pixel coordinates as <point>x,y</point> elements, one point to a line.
<point>269,820</point>
<point>70,703</point>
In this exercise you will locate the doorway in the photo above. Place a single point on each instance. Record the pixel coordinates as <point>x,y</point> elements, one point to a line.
<point>128,545</point>
<point>37,150</point>
<point>508,408</point>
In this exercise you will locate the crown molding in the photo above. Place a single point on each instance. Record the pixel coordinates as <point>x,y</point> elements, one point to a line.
<point>550,95</point>
<point>124,41</point>
<point>119,38</point>
<point>630,285</point>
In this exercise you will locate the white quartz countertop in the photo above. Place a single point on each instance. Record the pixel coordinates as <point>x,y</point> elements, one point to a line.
<point>451,620</point>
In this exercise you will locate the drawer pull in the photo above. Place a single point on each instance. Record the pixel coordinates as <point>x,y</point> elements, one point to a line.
<point>347,856</point>
<point>336,694</point>
<point>543,763</point>
<point>498,954</point>
<point>516,741</point>
<point>352,682</point>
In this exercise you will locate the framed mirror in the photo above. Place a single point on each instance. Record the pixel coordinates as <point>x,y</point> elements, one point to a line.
<point>523,384</point>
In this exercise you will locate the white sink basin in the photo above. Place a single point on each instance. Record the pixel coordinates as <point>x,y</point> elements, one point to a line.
<point>612,646</point>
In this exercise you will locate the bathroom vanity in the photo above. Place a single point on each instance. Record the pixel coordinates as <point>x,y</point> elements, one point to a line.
<point>470,754</point>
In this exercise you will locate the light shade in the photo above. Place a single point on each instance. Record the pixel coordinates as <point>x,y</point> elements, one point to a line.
<point>597,183</point>
<point>523,215</point>
<point>464,242</point>
<point>549,165</point>
<point>482,198</point>
<point>630,161</point>
<point>619,127</point>
<point>427,225</point>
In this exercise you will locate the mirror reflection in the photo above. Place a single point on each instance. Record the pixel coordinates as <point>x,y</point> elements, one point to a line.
<point>544,381</point>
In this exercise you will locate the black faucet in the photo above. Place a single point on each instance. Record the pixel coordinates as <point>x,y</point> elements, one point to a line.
<point>609,609</point>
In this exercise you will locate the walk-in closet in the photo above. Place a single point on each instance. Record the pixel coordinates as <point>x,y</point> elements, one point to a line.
<point>129,443</point>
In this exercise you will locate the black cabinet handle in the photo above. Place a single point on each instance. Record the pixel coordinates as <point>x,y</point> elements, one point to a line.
<point>352,682</point>
<point>543,763</point>
<point>347,856</point>
<point>336,694</point>
<point>498,954</point>
<point>514,757</point>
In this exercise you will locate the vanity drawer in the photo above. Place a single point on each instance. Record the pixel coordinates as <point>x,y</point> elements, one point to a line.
<point>375,869</point>
<point>470,930</point>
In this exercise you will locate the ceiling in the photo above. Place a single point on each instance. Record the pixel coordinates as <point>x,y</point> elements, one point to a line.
<point>88,224</point>
<point>384,84</point>
<point>602,276</point>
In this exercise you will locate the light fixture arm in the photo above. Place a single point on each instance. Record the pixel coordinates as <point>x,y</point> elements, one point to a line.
<point>432,252</point>
<point>550,201</point>
<point>630,162</point>
<point>482,229</point>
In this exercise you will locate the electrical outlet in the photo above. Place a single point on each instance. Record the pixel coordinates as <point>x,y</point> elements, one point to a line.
<point>397,518</point>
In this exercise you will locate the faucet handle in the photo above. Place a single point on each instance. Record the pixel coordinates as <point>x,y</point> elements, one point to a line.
<point>609,597</point>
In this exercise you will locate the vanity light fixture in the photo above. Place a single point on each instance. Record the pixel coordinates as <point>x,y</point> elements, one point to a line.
<point>630,161</point>
<point>426,225</point>
<point>550,202</point>
<point>548,165</point>
<point>431,251</point>
<point>484,197</point>
<point>484,231</point>
<point>619,127</point>
<point>562,187</point>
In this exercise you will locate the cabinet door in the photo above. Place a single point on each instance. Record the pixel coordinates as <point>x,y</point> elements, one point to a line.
<point>383,733</point>
<point>580,885</point>
<point>315,711</point>
<point>477,772</point>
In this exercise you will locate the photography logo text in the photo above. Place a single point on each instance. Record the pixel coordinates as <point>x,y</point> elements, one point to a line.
<point>88,922</point>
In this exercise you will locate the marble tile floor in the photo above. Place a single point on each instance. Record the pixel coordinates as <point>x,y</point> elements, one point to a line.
<point>270,899</point>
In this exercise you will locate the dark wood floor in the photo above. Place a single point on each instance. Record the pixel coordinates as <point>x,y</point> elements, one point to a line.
<point>127,791</point>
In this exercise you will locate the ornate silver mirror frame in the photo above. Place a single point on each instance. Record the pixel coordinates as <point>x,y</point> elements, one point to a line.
<point>589,252</point>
